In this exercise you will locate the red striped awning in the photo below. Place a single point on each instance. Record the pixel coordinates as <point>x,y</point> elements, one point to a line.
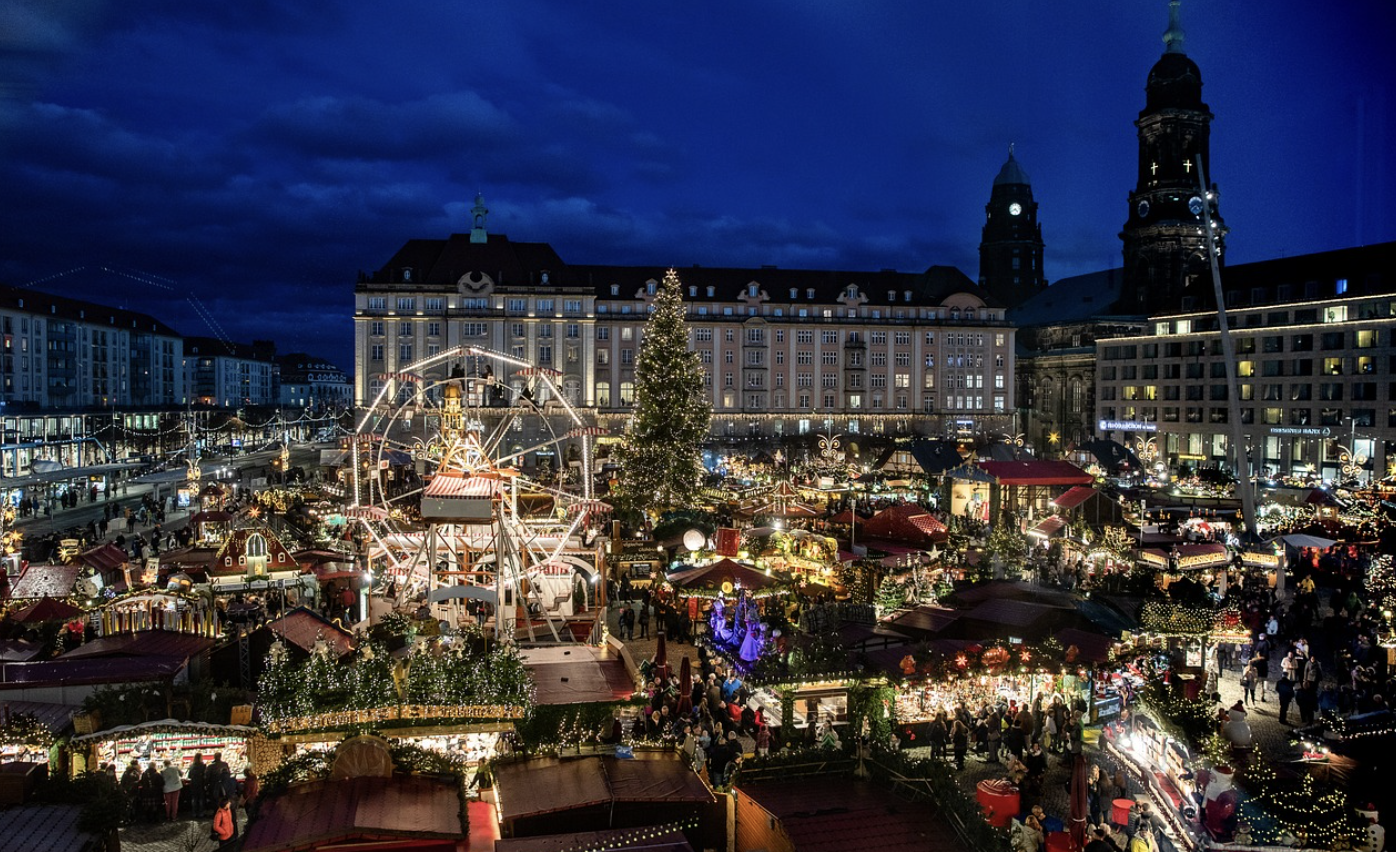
<point>446,485</point>
<point>592,431</point>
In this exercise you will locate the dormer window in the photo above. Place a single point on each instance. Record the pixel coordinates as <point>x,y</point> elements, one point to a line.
<point>710,291</point>
<point>751,289</point>
<point>809,294</point>
<point>692,291</point>
<point>615,289</point>
<point>794,293</point>
<point>649,287</point>
<point>906,295</point>
<point>891,295</point>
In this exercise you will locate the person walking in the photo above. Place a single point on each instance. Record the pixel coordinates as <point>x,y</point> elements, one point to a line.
<point>644,620</point>
<point>1248,682</point>
<point>174,785</point>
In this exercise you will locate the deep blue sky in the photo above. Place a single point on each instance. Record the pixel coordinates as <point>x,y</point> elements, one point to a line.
<point>254,155</point>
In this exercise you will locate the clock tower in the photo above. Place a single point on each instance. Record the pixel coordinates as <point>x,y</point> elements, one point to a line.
<point>1010,250</point>
<point>1165,240</point>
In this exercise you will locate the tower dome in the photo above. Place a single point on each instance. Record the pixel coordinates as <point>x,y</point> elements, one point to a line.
<point>1012,174</point>
<point>1175,81</point>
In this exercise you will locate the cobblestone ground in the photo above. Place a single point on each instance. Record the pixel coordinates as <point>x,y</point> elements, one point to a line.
<point>186,835</point>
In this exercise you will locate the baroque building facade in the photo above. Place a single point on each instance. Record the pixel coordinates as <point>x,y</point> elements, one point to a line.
<point>785,352</point>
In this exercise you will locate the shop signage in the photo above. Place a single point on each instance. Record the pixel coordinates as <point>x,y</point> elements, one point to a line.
<point>1126,426</point>
<point>1304,431</point>
<point>406,712</point>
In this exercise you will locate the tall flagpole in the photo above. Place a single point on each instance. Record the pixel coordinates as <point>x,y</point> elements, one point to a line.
<point>1239,452</point>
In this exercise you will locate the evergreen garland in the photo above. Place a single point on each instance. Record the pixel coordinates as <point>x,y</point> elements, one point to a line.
<point>659,455</point>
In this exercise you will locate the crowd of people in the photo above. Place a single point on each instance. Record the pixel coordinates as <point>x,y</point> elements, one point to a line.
<point>161,791</point>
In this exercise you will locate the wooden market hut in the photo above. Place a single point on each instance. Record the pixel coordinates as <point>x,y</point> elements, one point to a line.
<point>1028,487</point>
<point>551,795</point>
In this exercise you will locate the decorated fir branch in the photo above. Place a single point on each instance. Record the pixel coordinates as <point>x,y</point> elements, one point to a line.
<point>440,679</point>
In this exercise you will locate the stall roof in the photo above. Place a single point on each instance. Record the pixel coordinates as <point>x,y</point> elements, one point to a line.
<point>107,670</point>
<point>1009,613</point>
<point>906,523</point>
<point>56,717</point>
<point>167,726</point>
<point>1039,472</point>
<point>552,785</point>
<point>651,838</point>
<point>1048,527</point>
<point>922,620</point>
<point>1075,496</point>
<point>1092,647</point>
<point>301,627</point>
<point>46,609</point>
<point>19,650</point>
<point>46,581</point>
<point>578,674</point>
<point>834,814</point>
<point>320,813</point>
<point>146,643</point>
<point>47,828</point>
<point>714,574</point>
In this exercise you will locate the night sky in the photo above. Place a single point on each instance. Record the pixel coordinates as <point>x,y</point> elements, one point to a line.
<point>236,164</point>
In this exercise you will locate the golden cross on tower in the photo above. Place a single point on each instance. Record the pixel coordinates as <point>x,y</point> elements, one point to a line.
<point>1187,166</point>
<point>1153,168</point>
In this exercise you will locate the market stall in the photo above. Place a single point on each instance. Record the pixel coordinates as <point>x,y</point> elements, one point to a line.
<point>1160,765</point>
<point>167,739</point>
<point>817,702</point>
<point>154,610</point>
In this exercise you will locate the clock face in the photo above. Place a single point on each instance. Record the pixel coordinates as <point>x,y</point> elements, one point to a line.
<point>1014,209</point>
<point>1195,205</point>
<point>1143,208</point>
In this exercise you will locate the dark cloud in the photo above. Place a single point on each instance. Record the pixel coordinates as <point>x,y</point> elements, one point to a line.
<point>256,155</point>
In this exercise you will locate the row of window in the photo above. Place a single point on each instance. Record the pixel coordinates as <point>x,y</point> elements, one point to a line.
<point>1272,416</point>
<point>437,304</point>
<point>1300,392</point>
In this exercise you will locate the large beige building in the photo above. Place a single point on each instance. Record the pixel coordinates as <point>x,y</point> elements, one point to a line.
<point>786,351</point>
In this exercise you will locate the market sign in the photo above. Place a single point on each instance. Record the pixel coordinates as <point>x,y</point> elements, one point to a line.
<point>395,713</point>
<point>1126,426</point>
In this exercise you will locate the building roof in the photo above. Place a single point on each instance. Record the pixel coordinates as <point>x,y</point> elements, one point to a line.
<point>1037,472</point>
<point>214,347</point>
<point>1077,298</point>
<point>832,814</point>
<point>19,650</point>
<point>49,305</point>
<point>308,816</point>
<point>93,670</point>
<point>551,785</point>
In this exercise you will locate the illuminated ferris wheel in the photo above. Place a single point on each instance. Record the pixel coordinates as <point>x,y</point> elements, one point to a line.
<point>478,486</point>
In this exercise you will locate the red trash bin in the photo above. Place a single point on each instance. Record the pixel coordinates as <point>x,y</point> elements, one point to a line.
<point>1000,801</point>
<point>1119,811</point>
<point>1059,841</point>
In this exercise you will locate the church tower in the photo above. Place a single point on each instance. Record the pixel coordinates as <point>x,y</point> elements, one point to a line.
<point>1010,249</point>
<point>1165,241</point>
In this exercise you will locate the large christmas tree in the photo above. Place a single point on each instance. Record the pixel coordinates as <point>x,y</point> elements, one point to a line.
<point>660,456</point>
